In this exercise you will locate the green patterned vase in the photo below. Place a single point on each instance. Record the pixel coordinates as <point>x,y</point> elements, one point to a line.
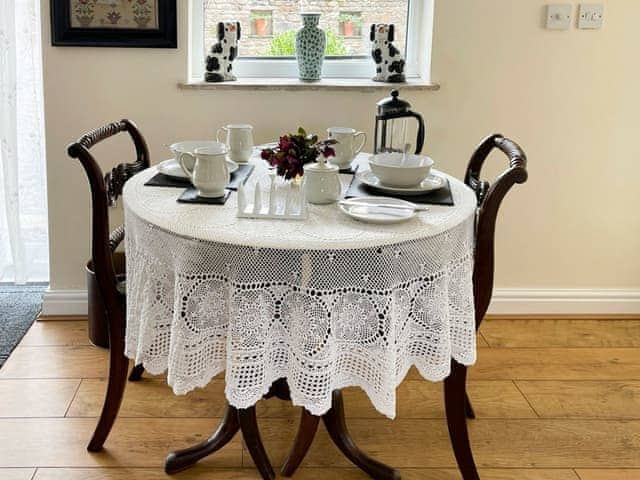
<point>310,47</point>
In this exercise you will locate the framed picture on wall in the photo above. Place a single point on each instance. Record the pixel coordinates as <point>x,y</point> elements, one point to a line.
<point>114,23</point>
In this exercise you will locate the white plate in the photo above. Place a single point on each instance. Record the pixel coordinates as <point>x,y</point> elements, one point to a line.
<point>432,182</point>
<point>171,168</point>
<point>365,210</point>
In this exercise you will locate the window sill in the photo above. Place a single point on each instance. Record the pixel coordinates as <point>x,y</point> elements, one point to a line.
<point>332,84</point>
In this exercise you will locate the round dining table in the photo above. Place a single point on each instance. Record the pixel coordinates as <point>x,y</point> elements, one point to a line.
<point>311,305</point>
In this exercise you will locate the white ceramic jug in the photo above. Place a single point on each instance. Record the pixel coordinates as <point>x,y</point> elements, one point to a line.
<point>347,148</point>
<point>210,173</point>
<point>239,141</point>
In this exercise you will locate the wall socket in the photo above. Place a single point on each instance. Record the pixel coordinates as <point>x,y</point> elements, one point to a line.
<point>559,17</point>
<point>590,16</point>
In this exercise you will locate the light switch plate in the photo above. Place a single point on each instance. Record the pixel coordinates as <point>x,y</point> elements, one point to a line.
<point>559,17</point>
<point>590,16</point>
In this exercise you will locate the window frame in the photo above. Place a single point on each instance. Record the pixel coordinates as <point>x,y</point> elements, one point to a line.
<point>419,39</point>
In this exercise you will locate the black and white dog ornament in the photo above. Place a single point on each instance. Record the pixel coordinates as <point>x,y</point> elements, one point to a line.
<point>389,61</point>
<point>219,67</point>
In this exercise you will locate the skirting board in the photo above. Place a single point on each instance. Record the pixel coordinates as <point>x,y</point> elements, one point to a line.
<point>506,301</point>
<point>64,303</point>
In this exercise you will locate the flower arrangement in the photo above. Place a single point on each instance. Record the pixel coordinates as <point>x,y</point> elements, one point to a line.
<point>294,151</point>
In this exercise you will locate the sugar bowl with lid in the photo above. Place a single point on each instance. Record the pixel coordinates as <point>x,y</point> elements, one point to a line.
<point>321,182</point>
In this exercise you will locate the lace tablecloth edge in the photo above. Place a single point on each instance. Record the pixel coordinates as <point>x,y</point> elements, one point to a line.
<point>464,358</point>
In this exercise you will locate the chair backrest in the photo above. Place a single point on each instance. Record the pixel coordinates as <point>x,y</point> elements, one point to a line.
<point>490,197</point>
<point>104,192</point>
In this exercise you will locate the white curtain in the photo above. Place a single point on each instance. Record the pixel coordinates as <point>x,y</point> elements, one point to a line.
<point>24,253</point>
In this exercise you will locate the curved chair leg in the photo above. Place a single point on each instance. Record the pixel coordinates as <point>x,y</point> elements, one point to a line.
<point>468,408</point>
<point>306,432</point>
<point>136,373</point>
<point>118,369</point>
<point>253,442</point>
<point>335,423</point>
<point>455,403</point>
<point>183,459</point>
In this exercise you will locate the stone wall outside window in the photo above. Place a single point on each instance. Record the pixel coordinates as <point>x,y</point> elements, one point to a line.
<point>286,16</point>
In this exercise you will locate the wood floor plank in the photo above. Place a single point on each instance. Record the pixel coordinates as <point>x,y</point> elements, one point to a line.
<point>416,399</point>
<point>151,397</point>
<point>424,399</point>
<point>199,473</point>
<point>612,474</point>
<point>62,333</point>
<point>555,364</point>
<point>536,443</point>
<point>17,473</point>
<point>601,399</point>
<point>36,398</point>
<point>482,343</point>
<point>133,442</point>
<point>56,362</point>
<point>561,333</point>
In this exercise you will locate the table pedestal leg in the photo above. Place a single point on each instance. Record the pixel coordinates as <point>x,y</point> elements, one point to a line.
<point>183,459</point>
<point>334,421</point>
<point>233,421</point>
<point>253,442</point>
<point>304,438</point>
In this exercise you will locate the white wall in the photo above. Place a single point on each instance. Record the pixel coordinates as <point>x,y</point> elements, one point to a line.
<point>570,98</point>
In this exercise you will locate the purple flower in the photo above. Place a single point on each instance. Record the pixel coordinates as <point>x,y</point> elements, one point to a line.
<point>328,152</point>
<point>296,150</point>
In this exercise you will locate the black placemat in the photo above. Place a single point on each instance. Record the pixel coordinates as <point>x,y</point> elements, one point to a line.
<point>442,196</point>
<point>238,178</point>
<point>190,195</point>
<point>351,170</point>
<point>162,180</point>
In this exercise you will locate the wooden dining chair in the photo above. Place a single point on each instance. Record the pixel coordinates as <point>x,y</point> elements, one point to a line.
<point>105,189</point>
<point>457,404</point>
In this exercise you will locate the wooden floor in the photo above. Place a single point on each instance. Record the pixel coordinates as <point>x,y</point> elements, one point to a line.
<point>555,400</point>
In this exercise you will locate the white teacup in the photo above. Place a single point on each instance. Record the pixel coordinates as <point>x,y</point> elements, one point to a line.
<point>239,140</point>
<point>210,172</point>
<point>347,148</point>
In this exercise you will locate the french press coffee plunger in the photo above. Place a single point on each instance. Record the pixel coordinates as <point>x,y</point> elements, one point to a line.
<point>392,121</point>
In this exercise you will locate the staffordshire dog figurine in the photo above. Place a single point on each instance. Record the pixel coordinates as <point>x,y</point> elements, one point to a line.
<point>389,61</point>
<point>220,61</point>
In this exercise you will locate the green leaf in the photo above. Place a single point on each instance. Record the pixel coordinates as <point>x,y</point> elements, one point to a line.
<point>302,132</point>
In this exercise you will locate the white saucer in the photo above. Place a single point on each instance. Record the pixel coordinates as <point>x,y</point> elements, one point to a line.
<point>432,182</point>
<point>364,210</point>
<point>172,168</point>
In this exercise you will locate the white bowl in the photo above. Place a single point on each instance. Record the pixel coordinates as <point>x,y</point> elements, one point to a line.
<point>190,146</point>
<point>395,170</point>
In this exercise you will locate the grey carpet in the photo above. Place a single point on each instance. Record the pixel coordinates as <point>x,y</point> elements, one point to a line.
<point>19,306</point>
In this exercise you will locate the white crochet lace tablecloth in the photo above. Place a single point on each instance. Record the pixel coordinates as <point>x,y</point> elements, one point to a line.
<point>326,303</point>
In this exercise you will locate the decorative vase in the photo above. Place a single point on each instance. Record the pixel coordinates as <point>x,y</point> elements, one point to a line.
<point>311,43</point>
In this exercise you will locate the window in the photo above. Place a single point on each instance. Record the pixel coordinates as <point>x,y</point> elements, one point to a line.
<point>267,45</point>
<point>350,24</point>
<point>261,26</point>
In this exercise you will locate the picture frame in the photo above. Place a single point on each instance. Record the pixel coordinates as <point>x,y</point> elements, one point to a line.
<point>114,23</point>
